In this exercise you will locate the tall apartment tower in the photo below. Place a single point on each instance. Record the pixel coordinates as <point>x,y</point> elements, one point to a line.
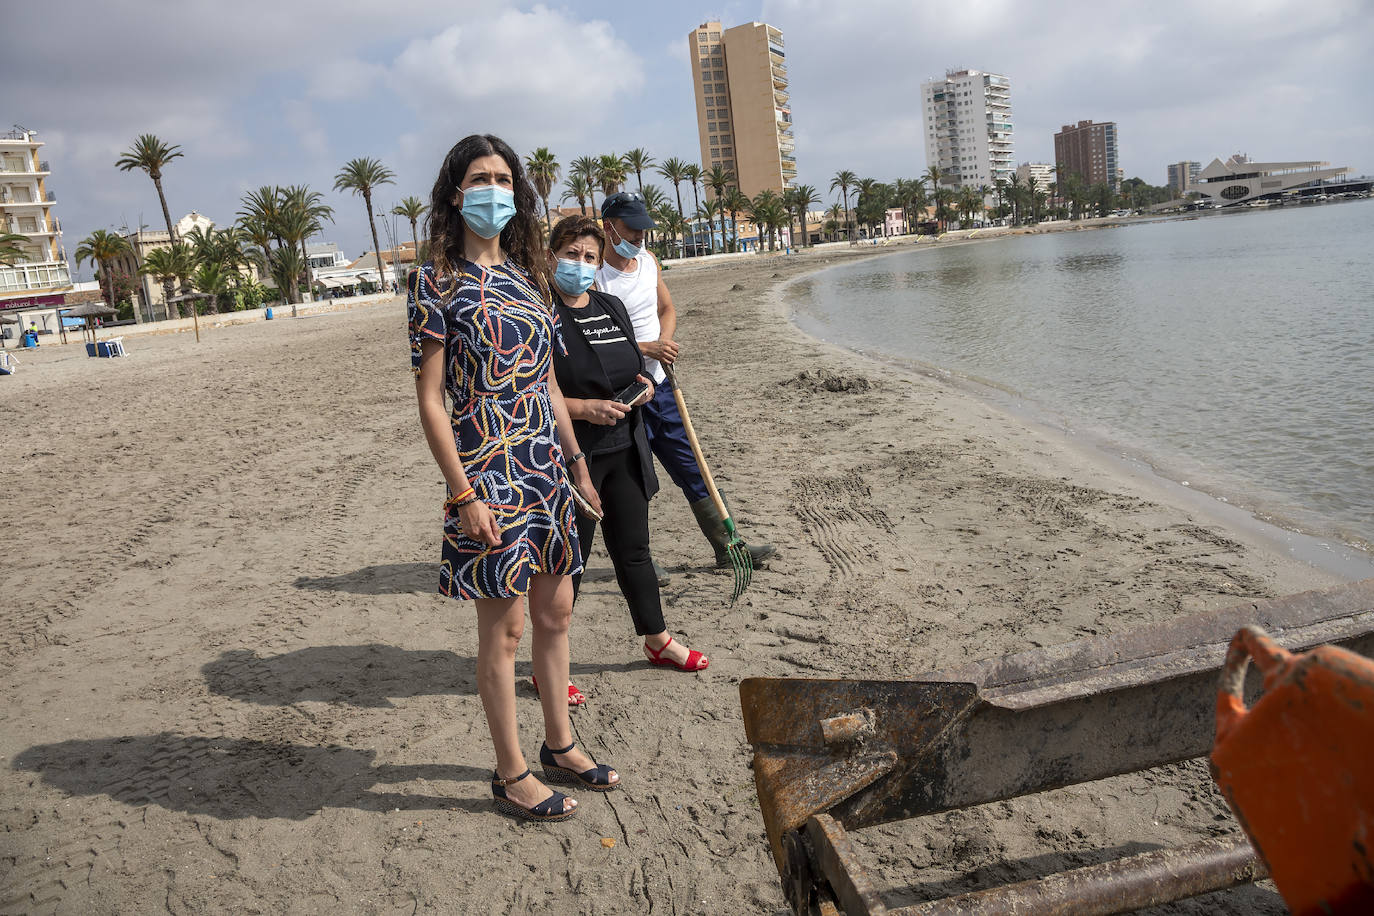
<point>968,127</point>
<point>40,277</point>
<point>744,111</point>
<point>1183,175</point>
<point>1088,150</point>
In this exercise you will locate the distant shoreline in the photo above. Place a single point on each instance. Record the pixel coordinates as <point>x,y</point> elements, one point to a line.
<point>1351,556</point>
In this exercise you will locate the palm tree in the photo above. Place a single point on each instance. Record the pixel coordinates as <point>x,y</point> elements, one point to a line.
<point>708,211</point>
<point>718,179</point>
<point>670,223</point>
<point>938,194</point>
<point>585,168</point>
<point>102,247</point>
<point>736,203</point>
<point>836,214</point>
<point>844,180</point>
<point>543,170</point>
<point>211,279</point>
<point>12,247</point>
<point>412,208</point>
<point>637,160</point>
<point>1032,195</point>
<point>302,211</point>
<point>610,173</point>
<point>999,188</point>
<point>578,189</point>
<point>803,196</point>
<point>675,170</point>
<point>692,172</point>
<point>766,210</point>
<point>285,266</point>
<point>150,155</point>
<point>654,200</point>
<point>165,265</point>
<point>360,176</point>
<point>1014,195</point>
<point>868,206</point>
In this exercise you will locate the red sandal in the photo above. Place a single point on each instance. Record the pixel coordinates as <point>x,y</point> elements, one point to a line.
<point>695,660</point>
<point>575,695</point>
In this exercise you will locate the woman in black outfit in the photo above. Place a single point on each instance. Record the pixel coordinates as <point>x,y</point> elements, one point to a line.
<point>601,360</point>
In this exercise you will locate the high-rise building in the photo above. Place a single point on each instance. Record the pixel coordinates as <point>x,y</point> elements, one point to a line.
<point>968,127</point>
<point>1088,150</point>
<point>39,276</point>
<point>1183,175</point>
<point>1042,172</point>
<point>744,111</point>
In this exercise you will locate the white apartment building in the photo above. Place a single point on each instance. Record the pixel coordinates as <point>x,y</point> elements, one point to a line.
<point>1042,172</point>
<point>40,276</point>
<point>968,127</point>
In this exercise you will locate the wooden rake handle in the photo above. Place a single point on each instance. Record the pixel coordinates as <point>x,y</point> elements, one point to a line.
<point>696,446</point>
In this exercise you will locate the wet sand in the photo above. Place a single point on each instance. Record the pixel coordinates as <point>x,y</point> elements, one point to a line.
<point>229,685</point>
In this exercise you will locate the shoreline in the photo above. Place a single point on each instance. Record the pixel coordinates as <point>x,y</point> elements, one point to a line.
<point>240,562</point>
<point>1317,541</point>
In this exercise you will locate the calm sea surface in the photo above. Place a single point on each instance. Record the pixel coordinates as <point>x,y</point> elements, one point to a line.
<point>1235,352</point>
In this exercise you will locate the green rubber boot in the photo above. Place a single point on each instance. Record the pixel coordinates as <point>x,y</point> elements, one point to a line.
<point>713,526</point>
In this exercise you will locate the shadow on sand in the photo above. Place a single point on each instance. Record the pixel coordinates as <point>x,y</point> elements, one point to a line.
<point>369,675</point>
<point>379,579</point>
<point>236,778</point>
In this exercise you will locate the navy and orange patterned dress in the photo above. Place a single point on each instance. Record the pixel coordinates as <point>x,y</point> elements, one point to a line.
<point>498,338</point>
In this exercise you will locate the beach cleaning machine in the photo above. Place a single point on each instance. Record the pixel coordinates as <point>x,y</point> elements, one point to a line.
<point>832,756</point>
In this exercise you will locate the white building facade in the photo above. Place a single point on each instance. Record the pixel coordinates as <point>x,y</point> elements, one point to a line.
<point>40,276</point>
<point>968,127</point>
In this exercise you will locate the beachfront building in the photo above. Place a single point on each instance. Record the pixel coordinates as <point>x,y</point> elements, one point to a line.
<point>325,256</point>
<point>1239,180</point>
<point>968,128</point>
<point>39,277</point>
<point>1182,176</point>
<point>744,110</point>
<point>152,297</point>
<point>1088,150</point>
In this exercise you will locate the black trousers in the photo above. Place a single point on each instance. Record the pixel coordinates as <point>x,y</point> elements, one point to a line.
<point>620,484</point>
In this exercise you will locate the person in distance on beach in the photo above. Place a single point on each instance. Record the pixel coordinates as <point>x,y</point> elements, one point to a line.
<point>631,273</point>
<point>483,329</point>
<point>601,359</point>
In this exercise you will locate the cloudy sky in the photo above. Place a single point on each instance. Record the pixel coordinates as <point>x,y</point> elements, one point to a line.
<point>259,92</point>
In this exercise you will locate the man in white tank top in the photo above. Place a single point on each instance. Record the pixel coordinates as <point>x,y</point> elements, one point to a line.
<point>631,273</point>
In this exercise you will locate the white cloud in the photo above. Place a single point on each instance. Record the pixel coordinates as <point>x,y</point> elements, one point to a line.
<point>539,66</point>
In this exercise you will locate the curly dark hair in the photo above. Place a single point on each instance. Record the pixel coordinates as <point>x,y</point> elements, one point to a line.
<point>521,238</point>
<point>575,227</point>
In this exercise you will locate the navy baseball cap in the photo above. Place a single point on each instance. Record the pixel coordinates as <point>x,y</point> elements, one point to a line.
<point>629,207</point>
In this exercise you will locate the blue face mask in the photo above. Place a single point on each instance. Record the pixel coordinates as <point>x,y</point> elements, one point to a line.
<point>487,208</point>
<point>574,277</point>
<point>627,249</point>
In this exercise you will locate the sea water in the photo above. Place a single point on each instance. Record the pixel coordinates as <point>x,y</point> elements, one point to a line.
<point>1231,351</point>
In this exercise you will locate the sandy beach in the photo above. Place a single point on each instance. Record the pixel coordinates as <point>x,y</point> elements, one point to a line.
<point>229,685</point>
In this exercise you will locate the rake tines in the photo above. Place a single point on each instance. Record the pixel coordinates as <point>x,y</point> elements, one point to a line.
<point>740,561</point>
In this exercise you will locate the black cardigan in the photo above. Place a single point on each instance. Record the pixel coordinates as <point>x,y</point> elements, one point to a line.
<point>580,375</point>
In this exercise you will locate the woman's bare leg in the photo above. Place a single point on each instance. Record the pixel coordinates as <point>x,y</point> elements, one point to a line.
<point>500,624</point>
<point>551,603</point>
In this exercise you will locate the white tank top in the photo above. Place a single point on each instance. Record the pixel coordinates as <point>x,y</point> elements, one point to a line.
<point>638,289</point>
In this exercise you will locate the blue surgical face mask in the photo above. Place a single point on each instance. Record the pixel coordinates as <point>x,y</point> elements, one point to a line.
<point>487,208</point>
<point>627,249</point>
<point>574,277</point>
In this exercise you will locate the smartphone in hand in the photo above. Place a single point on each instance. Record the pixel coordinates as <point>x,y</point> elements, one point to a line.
<point>631,393</point>
<point>582,505</point>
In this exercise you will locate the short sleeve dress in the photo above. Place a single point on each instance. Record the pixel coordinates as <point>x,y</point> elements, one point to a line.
<point>498,338</point>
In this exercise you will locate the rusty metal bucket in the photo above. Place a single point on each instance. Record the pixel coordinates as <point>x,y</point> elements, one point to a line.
<point>837,755</point>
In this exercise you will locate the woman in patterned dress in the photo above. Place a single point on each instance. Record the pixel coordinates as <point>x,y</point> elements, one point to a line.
<point>482,330</point>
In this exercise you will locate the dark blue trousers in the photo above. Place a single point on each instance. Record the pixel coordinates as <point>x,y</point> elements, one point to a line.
<point>668,440</point>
